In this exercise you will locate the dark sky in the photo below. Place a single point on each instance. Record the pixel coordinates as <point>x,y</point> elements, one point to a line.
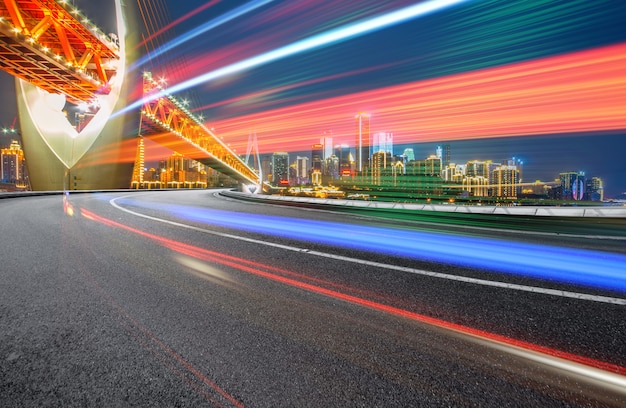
<point>471,37</point>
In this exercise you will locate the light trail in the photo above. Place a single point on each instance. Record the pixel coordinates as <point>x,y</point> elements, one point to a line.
<point>258,98</point>
<point>589,268</point>
<point>327,38</point>
<point>216,22</point>
<point>578,92</point>
<point>608,374</point>
<point>179,20</point>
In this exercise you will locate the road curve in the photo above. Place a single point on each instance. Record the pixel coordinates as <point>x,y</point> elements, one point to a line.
<point>187,298</point>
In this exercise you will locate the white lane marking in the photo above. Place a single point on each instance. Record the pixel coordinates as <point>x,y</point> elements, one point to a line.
<point>483,282</point>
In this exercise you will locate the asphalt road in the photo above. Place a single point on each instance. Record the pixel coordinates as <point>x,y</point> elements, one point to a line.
<point>187,298</point>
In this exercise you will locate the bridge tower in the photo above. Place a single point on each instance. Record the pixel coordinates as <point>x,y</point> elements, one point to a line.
<point>57,57</point>
<point>253,147</point>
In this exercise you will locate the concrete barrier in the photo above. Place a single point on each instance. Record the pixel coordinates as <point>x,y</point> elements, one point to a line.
<point>595,211</point>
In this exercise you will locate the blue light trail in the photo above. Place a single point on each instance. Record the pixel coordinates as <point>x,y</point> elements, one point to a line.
<point>330,37</point>
<point>209,25</point>
<point>589,268</point>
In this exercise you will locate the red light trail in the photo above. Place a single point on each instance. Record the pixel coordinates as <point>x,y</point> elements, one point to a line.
<point>277,275</point>
<point>578,92</point>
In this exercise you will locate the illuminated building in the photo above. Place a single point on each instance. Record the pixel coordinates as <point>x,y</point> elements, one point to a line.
<point>266,169</point>
<point>595,189</point>
<point>362,142</point>
<point>572,185</point>
<point>379,164</point>
<point>477,186</point>
<point>302,170</point>
<point>327,144</point>
<point>443,152</point>
<point>520,166</point>
<point>476,168</point>
<point>174,174</point>
<point>409,153</point>
<point>280,168</point>
<point>13,166</point>
<point>505,182</point>
<point>382,142</point>
<point>332,167</point>
<point>345,159</point>
<point>317,159</point>
<point>431,166</point>
<point>453,172</point>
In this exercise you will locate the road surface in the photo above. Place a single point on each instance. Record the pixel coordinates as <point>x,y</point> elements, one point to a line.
<point>188,298</point>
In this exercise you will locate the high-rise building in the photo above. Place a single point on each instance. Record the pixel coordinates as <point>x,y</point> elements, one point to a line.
<point>327,142</point>
<point>302,170</point>
<point>345,159</point>
<point>332,166</point>
<point>12,164</point>
<point>382,142</point>
<point>175,169</point>
<point>443,152</point>
<point>477,186</point>
<point>317,159</point>
<point>266,169</point>
<point>379,164</point>
<point>409,153</point>
<point>431,166</point>
<point>362,142</point>
<point>453,172</point>
<point>572,185</point>
<point>477,168</point>
<point>505,182</point>
<point>280,168</point>
<point>594,189</point>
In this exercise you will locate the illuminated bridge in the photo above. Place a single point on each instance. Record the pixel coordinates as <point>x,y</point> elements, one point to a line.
<point>59,55</point>
<point>169,123</point>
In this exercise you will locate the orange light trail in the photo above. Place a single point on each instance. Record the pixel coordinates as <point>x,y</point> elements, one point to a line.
<point>275,274</point>
<point>578,92</point>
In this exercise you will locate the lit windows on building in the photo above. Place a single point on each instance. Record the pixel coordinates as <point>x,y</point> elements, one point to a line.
<point>572,185</point>
<point>12,164</point>
<point>280,168</point>
<point>505,182</point>
<point>594,189</point>
<point>379,164</point>
<point>302,170</point>
<point>476,186</point>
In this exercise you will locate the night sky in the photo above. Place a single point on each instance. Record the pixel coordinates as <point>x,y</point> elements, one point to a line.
<point>289,102</point>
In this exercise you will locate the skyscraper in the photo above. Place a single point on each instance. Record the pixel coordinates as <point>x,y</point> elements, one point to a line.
<point>343,155</point>
<point>379,164</point>
<point>316,157</point>
<point>280,168</point>
<point>327,142</point>
<point>505,181</point>
<point>573,185</point>
<point>362,141</point>
<point>409,153</point>
<point>302,169</point>
<point>594,189</point>
<point>12,165</point>
<point>382,142</point>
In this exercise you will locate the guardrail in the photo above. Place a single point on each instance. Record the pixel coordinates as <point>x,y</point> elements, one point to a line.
<point>538,211</point>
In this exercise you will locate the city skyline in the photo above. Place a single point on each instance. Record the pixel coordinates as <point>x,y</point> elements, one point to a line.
<point>558,110</point>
